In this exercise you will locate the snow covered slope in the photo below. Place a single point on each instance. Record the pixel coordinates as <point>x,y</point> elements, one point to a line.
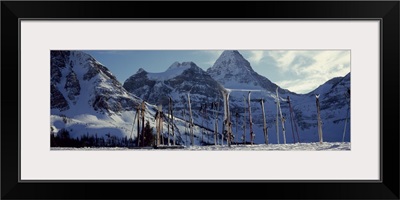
<point>86,99</point>
<point>325,146</point>
<point>334,101</point>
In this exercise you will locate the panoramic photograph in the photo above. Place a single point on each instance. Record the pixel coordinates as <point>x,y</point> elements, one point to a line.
<point>200,100</point>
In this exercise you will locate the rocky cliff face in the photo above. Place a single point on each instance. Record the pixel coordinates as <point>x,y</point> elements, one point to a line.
<point>179,80</point>
<point>80,83</point>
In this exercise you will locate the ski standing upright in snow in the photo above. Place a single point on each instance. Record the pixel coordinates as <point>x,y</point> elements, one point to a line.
<point>264,121</point>
<point>227,120</point>
<point>191,120</point>
<point>282,118</point>
<point>319,120</point>
<point>250,121</point>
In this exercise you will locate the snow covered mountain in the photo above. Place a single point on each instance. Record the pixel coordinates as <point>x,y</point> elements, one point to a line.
<point>87,99</point>
<point>233,71</point>
<point>78,80</point>
<point>334,98</point>
<point>85,96</point>
<point>176,82</point>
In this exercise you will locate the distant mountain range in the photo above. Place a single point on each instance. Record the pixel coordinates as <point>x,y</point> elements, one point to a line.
<point>94,102</point>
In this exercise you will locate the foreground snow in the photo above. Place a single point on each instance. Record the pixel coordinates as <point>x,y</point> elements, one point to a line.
<point>326,146</point>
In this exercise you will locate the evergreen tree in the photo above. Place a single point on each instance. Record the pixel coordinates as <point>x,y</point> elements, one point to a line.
<point>148,135</point>
<point>53,141</point>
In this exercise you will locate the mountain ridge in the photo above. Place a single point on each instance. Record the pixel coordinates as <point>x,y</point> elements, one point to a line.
<point>74,74</point>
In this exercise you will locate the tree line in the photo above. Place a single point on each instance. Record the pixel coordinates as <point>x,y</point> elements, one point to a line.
<point>63,139</point>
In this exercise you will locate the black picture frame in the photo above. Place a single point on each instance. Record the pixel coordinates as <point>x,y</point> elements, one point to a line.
<point>386,11</point>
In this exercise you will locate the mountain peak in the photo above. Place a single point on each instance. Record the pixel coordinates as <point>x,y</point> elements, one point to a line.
<point>231,61</point>
<point>174,65</point>
<point>231,53</point>
<point>177,65</point>
<point>140,71</point>
<point>188,64</point>
<point>233,56</point>
<point>231,69</point>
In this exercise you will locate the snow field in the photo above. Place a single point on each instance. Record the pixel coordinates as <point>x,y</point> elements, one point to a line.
<point>325,146</point>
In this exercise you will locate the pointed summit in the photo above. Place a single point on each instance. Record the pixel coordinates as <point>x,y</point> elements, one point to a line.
<point>232,70</point>
<point>231,53</point>
<point>232,62</point>
<point>141,70</point>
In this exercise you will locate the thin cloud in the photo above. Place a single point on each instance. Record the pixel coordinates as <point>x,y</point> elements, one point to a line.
<point>212,56</point>
<point>306,70</point>
<point>299,85</point>
<point>256,56</point>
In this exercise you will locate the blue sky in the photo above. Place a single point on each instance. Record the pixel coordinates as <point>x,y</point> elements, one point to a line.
<point>298,71</point>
